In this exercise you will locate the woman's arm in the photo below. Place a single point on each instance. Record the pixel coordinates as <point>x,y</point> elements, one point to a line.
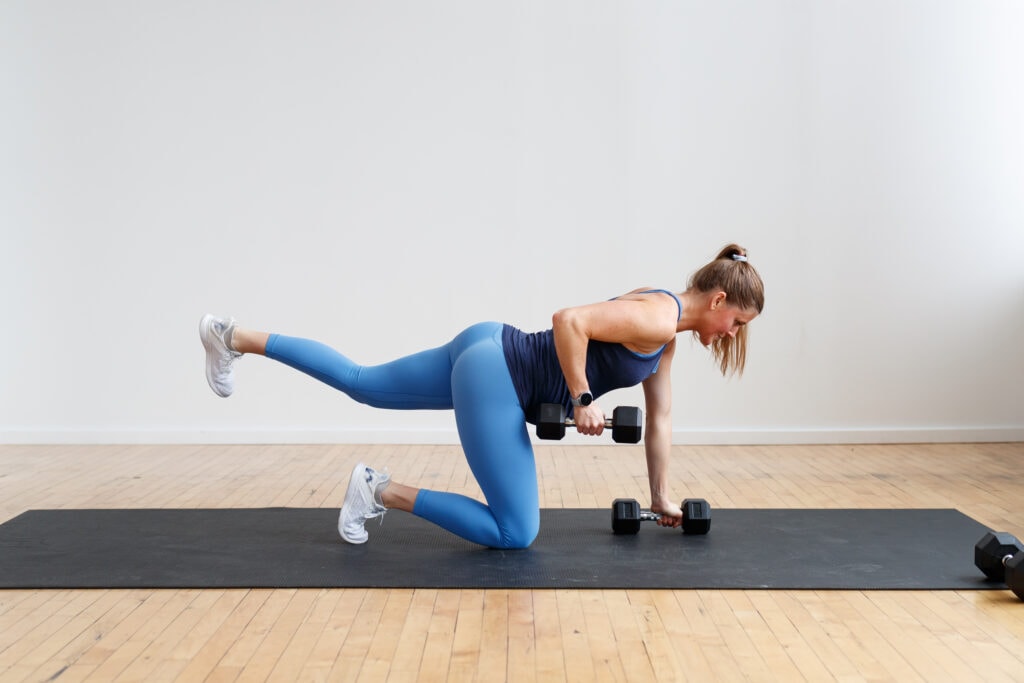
<point>658,439</point>
<point>644,322</point>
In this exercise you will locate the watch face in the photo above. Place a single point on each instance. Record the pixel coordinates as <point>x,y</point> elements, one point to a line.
<point>586,398</point>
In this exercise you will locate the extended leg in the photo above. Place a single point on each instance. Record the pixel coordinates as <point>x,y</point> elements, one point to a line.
<point>420,381</point>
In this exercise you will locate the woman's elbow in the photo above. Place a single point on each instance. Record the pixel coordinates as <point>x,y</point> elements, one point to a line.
<point>563,318</point>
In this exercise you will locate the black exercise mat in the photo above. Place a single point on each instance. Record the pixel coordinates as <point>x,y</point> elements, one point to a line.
<point>299,547</point>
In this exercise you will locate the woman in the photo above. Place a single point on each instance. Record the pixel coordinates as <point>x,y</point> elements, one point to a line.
<point>495,377</point>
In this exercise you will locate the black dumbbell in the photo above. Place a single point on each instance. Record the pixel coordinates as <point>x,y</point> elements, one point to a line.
<point>992,552</point>
<point>626,423</point>
<point>1000,557</point>
<point>627,515</point>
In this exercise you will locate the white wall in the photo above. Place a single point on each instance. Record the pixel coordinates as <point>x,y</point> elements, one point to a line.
<point>379,175</point>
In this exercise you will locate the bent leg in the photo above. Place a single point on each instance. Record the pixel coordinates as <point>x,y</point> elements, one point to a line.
<point>493,432</point>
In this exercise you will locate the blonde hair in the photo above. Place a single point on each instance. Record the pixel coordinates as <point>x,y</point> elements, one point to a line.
<point>731,272</point>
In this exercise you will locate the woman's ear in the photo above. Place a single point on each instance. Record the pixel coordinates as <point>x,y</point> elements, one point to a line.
<point>717,299</point>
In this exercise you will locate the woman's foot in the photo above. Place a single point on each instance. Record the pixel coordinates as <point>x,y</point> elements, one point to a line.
<point>362,502</point>
<point>215,334</point>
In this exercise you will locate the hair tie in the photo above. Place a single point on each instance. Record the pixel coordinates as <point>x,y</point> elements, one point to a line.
<point>739,257</point>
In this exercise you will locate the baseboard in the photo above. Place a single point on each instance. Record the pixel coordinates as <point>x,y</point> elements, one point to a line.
<point>448,436</point>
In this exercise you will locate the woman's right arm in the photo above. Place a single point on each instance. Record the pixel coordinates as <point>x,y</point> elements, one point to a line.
<point>645,322</point>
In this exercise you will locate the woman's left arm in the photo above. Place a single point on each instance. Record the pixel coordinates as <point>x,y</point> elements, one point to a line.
<point>658,438</point>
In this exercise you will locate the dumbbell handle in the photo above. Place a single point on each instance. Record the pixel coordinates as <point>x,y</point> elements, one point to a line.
<point>608,422</point>
<point>648,516</point>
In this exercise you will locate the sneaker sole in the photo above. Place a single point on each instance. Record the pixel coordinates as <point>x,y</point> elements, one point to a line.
<point>353,484</point>
<point>204,336</point>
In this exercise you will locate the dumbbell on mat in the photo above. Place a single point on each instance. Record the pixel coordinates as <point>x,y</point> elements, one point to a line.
<point>626,423</point>
<point>627,515</point>
<point>1000,557</point>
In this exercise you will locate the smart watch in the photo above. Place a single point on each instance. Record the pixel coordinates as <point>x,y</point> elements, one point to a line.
<point>584,399</point>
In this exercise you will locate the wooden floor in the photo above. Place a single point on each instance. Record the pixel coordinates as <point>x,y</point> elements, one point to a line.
<point>514,635</point>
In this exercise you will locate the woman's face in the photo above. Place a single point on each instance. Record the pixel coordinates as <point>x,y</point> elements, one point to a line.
<point>722,319</point>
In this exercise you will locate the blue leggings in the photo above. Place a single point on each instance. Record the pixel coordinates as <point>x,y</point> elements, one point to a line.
<point>468,374</point>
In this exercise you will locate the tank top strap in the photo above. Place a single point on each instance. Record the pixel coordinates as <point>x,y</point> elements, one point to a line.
<point>665,291</point>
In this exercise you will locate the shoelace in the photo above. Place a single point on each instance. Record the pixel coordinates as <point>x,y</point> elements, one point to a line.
<point>378,514</point>
<point>376,496</point>
<point>225,361</point>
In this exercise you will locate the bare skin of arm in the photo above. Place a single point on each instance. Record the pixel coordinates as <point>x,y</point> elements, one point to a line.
<point>643,323</point>
<point>658,439</point>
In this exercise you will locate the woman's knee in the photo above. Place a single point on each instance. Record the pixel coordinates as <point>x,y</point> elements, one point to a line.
<point>521,532</point>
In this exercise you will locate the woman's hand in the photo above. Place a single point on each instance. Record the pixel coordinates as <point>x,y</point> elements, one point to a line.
<point>589,419</point>
<point>671,514</point>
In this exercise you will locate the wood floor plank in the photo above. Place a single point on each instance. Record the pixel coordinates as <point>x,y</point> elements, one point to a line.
<point>604,651</point>
<point>691,661</point>
<point>405,665</point>
<point>550,660</point>
<point>769,657</point>
<point>280,635</point>
<point>492,660</point>
<point>326,649</point>
<point>522,650</point>
<point>579,663</point>
<point>437,651</point>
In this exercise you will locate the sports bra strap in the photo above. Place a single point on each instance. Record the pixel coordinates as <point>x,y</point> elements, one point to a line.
<point>665,291</point>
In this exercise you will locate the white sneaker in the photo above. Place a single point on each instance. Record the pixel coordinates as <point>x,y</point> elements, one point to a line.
<point>220,357</point>
<point>362,502</point>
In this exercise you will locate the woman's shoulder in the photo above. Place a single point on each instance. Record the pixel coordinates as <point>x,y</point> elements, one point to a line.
<point>649,293</point>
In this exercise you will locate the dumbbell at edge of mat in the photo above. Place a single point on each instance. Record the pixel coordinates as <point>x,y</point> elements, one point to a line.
<point>626,423</point>
<point>992,552</point>
<point>1000,556</point>
<point>627,516</point>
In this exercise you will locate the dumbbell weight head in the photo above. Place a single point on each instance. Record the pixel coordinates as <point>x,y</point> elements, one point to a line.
<point>628,424</point>
<point>696,516</point>
<point>625,516</point>
<point>990,551</point>
<point>551,421</point>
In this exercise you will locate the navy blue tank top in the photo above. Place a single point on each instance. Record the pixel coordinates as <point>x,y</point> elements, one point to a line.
<point>538,377</point>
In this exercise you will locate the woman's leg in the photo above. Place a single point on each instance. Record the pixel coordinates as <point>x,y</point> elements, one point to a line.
<point>419,381</point>
<point>248,341</point>
<point>416,382</point>
<point>469,374</point>
<point>494,437</point>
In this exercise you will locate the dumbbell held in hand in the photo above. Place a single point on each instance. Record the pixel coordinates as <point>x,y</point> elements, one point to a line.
<point>1000,557</point>
<point>627,515</point>
<point>626,423</point>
